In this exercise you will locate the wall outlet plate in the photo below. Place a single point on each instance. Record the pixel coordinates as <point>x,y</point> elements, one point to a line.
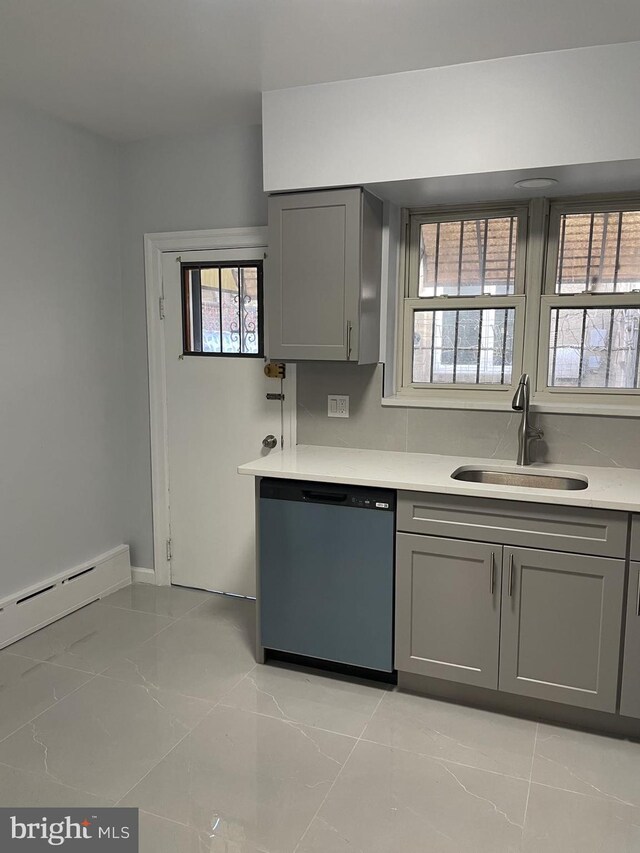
<point>338,406</point>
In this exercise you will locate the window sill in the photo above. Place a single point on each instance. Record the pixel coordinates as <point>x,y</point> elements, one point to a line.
<point>416,401</point>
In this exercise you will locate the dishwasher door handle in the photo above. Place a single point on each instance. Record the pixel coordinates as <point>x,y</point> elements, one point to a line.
<point>325,497</point>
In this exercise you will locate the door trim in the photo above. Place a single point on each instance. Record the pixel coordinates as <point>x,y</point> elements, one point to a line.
<point>155,245</point>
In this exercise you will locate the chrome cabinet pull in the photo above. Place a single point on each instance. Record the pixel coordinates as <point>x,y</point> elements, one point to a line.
<point>349,330</point>
<point>492,577</point>
<point>510,575</point>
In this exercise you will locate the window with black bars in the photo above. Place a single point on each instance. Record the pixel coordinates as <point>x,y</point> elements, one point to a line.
<point>594,314</point>
<point>463,346</point>
<point>599,252</point>
<point>222,309</point>
<point>465,297</point>
<point>468,257</point>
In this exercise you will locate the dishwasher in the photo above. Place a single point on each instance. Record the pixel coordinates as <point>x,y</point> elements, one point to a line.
<point>326,588</point>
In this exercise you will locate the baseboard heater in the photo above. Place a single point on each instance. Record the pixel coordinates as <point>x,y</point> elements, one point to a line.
<point>30,609</point>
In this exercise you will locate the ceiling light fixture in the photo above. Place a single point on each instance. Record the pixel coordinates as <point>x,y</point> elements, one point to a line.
<point>535,183</point>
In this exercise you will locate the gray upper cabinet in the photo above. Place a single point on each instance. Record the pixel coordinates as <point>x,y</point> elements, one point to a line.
<point>630,699</point>
<point>448,609</point>
<point>322,276</point>
<point>561,626</point>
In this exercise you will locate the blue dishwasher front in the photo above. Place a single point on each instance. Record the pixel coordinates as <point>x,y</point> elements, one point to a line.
<point>327,572</point>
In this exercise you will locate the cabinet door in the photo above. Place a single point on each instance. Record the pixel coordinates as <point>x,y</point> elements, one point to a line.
<point>630,699</point>
<point>561,623</point>
<point>635,537</point>
<point>312,275</point>
<point>448,608</point>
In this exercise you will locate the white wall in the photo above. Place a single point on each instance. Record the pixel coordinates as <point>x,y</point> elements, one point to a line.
<point>191,182</point>
<point>519,112</point>
<point>61,349</point>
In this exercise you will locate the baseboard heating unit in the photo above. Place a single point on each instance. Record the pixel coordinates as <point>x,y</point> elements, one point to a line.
<point>36,606</point>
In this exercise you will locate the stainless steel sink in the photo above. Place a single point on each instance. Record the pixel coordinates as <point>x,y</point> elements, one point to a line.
<point>525,480</point>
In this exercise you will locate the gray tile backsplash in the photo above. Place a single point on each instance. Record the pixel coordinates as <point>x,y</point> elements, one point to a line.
<point>369,426</point>
<point>569,439</point>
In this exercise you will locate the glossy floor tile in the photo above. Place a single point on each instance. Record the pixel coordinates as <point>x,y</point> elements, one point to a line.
<point>171,601</point>
<point>562,822</point>
<point>338,705</point>
<point>388,799</point>
<point>249,780</point>
<point>194,656</point>
<point>225,756</point>
<point>159,835</point>
<point>28,687</point>
<point>92,638</point>
<point>104,737</point>
<point>20,788</point>
<point>453,732</point>
<point>588,764</point>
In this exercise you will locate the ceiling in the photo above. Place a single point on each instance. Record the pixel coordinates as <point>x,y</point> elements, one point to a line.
<point>129,69</point>
<point>616,176</point>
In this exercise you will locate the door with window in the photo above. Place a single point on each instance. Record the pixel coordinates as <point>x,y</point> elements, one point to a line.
<point>218,413</point>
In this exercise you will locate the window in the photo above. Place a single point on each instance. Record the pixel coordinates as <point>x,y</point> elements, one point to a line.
<point>590,318</point>
<point>547,288</point>
<point>222,309</point>
<point>464,309</point>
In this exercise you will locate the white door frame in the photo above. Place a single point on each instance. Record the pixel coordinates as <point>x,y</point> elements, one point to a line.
<point>154,247</point>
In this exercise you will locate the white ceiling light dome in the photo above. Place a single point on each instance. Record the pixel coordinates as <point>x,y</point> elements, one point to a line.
<point>535,183</point>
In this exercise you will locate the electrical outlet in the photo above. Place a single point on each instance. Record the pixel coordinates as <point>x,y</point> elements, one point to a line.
<point>337,406</point>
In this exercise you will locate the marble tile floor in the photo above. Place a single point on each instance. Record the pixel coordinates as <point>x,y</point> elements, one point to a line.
<point>152,698</point>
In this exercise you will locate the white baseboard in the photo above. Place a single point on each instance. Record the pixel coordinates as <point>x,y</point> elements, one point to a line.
<point>140,575</point>
<point>36,606</point>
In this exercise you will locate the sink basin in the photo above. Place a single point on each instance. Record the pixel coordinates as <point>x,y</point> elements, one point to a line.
<point>521,479</point>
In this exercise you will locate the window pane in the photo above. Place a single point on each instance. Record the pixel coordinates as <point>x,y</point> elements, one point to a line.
<point>222,309</point>
<point>467,258</point>
<point>210,310</point>
<point>229,283</point>
<point>594,348</point>
<point>249,318</point>
<point>463,346</point>
<point>599,252</point>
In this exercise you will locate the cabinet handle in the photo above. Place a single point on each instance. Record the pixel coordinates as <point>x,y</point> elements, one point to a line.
<point>349,329</point>
<point>638,596</point>
<point>510,575</point>
<point>492,578</point>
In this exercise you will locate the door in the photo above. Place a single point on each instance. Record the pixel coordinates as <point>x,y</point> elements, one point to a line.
<point>561,622</point>
<point>217,414</point>
<point>314,275</point>
<point>448,608</point>
<point>630,699</point>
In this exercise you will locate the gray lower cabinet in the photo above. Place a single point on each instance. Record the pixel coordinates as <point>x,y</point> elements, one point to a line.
<point>630,699</point>
<point>323,276</point>
<point>635,537</point>
<point>448,608</point>
<point>561,627</point>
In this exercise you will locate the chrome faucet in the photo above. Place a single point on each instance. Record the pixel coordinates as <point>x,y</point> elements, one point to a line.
<point>526,432</point>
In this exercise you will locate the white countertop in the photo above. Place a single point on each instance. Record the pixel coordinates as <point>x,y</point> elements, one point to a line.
<point>609,488</point>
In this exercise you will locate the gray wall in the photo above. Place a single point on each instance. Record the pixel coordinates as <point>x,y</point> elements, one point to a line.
<point>191,182</point>
<point>569,439</point>
<point>61,349</point>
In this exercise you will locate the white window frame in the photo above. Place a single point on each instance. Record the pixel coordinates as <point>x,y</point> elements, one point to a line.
<point>534,298</point>
<point>625,400</point>
<point>459,394</point>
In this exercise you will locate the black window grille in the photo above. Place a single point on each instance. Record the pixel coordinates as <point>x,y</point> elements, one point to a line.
<point>222,309</point>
